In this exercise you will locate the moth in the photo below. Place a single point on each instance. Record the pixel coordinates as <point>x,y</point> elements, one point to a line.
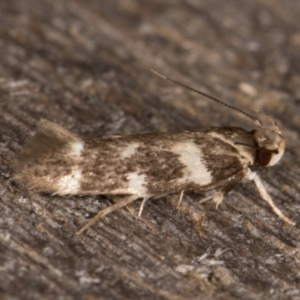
<point>144,166</point>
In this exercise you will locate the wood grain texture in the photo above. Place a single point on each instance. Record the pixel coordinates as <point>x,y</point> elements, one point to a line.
<point>85,65</point>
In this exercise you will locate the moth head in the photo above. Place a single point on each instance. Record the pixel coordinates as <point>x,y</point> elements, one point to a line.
<point>270,150</point>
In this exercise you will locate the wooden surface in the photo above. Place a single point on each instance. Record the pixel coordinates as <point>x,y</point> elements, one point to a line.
<point>85,65</point>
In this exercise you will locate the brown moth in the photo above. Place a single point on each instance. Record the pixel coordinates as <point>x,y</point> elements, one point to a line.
<point>144,166</point>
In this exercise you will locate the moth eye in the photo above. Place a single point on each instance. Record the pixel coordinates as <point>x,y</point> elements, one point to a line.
<point>264,158</point>
<point>270,158</point>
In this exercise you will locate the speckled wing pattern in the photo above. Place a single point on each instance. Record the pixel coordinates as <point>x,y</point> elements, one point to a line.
<point>59,162</point>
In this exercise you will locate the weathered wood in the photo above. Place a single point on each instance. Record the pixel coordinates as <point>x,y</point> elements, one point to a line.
<point>85,65</point>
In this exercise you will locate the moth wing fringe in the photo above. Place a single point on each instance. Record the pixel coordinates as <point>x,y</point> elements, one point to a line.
<point>41,150</point>
<point>53,129</point>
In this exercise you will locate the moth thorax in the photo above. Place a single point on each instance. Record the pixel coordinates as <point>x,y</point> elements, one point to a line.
<point>268,152</point>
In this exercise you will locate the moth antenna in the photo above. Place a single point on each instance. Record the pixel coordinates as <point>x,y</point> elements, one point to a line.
<point>256,120</point>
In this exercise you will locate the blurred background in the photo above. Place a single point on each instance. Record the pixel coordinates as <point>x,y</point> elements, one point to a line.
<point>86,66</point>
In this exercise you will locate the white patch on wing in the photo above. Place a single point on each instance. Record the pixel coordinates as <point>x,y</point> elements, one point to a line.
<point>136,183</point>
<point>69,184</point>
<point>192,157</point>
<point>129,150</point>
<point>76,148</point>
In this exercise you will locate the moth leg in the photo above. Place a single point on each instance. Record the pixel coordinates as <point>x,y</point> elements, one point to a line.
<point>142,206</point>
<point>180,198</point>
<point>264,194</point>
<point>108,210</point>
<point>206,199</point>
<point>145,198</point>
<point>217,198</point>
